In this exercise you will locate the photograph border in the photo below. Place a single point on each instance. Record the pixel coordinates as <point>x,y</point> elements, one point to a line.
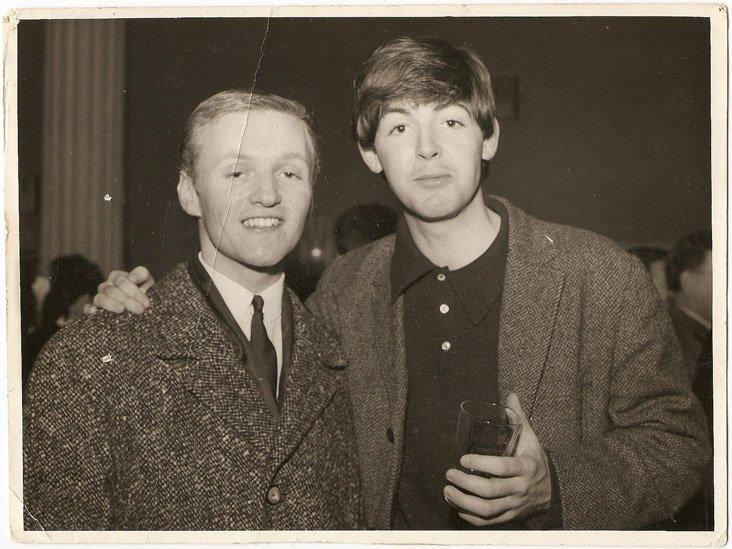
<point>717,15</point>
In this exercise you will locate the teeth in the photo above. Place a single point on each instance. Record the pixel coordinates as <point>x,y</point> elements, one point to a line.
<point>261,222</point>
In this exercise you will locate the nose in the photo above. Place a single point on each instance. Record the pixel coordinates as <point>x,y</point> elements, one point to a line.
<point>266,192</point>
<point>427,146</point>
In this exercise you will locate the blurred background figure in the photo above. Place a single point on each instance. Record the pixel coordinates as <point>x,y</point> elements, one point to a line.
<point>363,224</point>
<point>320,244</point>
<point>60,299</point>
<point>654,260</point>
<point>689,275</point>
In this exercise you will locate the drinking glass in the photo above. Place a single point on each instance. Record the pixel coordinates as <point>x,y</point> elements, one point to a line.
<point>485,428</point>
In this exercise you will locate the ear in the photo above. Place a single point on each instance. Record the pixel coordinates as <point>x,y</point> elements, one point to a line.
<point>687,280</point>
<point>188,196</point>
<point>490,145</point>
<point>371,158</point>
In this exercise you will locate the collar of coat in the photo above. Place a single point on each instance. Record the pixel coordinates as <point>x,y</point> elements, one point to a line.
<point>191,345</point>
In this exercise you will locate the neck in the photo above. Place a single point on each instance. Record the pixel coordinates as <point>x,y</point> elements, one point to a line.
<point>256,280</point>
<point>456,242</point>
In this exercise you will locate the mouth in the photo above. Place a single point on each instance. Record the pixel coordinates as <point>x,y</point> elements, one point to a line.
<point>432,177</point>
<point>262,222</point>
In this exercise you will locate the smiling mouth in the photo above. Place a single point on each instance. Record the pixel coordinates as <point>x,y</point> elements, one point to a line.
<point>262,222</point>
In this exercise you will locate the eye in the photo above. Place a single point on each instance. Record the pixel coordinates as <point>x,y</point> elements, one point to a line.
<point>287,174</point>
<point>452,123</point>
<point>235,174</point>
<point>399,128</point>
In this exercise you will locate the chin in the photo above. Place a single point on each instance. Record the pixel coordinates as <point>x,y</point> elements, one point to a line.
<point>434,211</point>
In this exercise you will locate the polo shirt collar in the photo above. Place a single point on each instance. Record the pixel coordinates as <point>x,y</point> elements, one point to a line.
<point>478,285</point>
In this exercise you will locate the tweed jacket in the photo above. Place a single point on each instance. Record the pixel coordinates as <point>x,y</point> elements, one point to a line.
<point>585,343</point>
<point>154,422</point>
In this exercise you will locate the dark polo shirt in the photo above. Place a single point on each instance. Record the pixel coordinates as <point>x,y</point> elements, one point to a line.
<point>451,327</point>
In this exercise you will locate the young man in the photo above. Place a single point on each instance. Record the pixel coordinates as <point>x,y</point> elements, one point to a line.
<point>225,406</point>
<point>474,299</point>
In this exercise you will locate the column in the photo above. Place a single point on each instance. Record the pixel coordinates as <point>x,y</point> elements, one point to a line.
<point>82,186</point>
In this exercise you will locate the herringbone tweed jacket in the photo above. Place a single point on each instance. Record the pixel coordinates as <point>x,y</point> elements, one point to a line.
<point>584,342</point>
<point>153,423</point>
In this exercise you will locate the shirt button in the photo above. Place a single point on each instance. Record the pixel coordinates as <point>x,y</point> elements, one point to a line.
<point>441,277</point>
<point>274,495</point>
<point>444,308</point>
<point>445,345</point>
<point>390,435</point>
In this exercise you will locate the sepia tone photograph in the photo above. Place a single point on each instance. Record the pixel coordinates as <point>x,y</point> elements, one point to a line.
<point>388,275</point>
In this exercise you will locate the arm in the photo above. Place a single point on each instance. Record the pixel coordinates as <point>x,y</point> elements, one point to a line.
<point>652,454</point>
<point>67,466</point>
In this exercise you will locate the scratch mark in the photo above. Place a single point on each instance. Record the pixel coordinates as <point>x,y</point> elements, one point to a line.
<point>35,520</point>
<point>107,198</point>
<point>241,145</point>
<point>165,222</point>
<point>549,239</point>
<point>107,358</point>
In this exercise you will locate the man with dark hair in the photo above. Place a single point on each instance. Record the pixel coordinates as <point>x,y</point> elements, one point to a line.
<point>689,275</point>
<point>225,406</point>
<point>475,299</point>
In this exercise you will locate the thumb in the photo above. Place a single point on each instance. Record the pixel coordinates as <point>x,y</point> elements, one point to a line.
<point>139,274</point>
<point>513,402</point>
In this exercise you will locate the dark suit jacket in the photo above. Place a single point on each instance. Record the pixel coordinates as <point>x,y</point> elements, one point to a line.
<point>586,344</point>
<point>153,422</point>
<point>692,337</point>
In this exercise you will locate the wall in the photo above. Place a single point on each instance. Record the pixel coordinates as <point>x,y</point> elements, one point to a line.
<point>612,132</point>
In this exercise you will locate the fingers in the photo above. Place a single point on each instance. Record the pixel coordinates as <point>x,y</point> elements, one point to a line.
<point>128,284</point>
<point>485,509</point>
<point>140,276</point>
<point>115,300</point>
<point>88,309</point>
<point>104,302</point>
<point>498,466</point>
<point>477,521</point>
<point>488,487</point>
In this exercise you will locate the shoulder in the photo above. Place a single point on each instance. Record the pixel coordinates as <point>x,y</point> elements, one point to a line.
<point>578,250</point>
<point>87,348</point>
<point>587,250</point>
<point>359,264</point>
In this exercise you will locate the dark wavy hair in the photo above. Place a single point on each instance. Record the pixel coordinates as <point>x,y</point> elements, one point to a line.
<point>422,70</point>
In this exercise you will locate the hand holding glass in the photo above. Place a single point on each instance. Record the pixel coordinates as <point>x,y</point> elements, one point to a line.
<point>486,428</point>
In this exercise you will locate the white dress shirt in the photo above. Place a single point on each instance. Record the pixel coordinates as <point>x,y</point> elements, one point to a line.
<point>239,301</point>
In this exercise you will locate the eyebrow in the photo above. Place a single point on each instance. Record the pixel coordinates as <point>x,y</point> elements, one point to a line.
<point>396,110</point>
<point>244,156</point>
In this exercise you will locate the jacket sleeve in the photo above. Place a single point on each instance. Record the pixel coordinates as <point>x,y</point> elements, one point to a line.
<point>652,454</point>
<point>67,466</point>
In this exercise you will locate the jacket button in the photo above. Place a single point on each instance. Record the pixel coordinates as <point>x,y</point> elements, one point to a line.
<point>390,435</point>
<point>274,496</point>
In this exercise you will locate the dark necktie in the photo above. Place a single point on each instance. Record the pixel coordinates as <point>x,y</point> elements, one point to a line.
<point>264,352</point>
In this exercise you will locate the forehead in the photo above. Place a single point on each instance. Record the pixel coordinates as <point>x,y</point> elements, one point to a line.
<point>255,132</point>
<point>415,106</point>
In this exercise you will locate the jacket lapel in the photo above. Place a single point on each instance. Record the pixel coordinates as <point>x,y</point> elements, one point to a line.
<point>315,374</point>
<point>532,290</point>
<point>202,355</point>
